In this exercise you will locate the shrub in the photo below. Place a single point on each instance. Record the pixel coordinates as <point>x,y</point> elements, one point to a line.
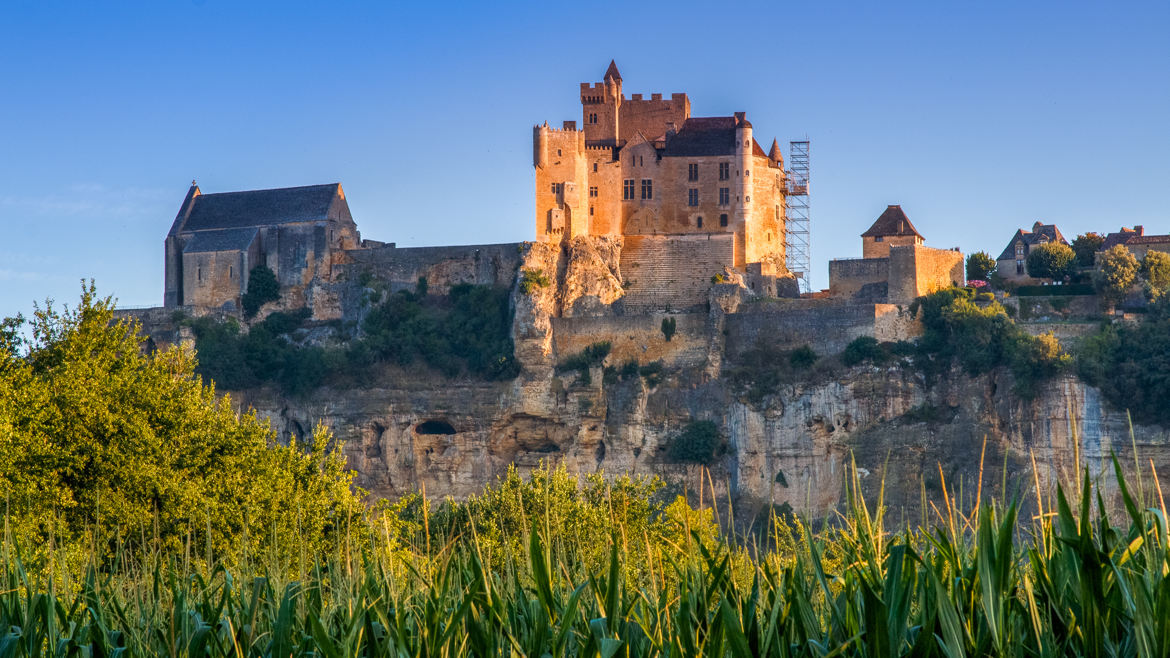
<point>1131,366</point>
<point>668,327</point>
<point>700,442</point>
<point>1067,290</point>
<point>863,348</point>
<point>1085,247</point>
<point>262,288</point>
<point>530,280</point>
<point>652,372</point>
<point>980,265</point>
<point>1115,274</point>
<point>1051,260</point>
<point>985,297</point>
<point>802,357</point>
<point>593,355</point>
<point>629,369</point>
<point>1156,271</point>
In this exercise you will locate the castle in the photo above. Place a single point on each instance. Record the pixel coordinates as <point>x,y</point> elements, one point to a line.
<point>643,167</point>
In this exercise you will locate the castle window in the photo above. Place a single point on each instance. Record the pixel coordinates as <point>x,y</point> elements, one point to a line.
<point>198,273</point>
<point>723,219</point>
<point>747,199</point>
<point>692,172</point>
<point>746,173</point>
<point>594,166</point>
<point>693,197</point>
<point>628,189</point>
<point>593,191</point>
<point>647,188</point>
<point>768,236</point>
<point>724,196</point>
<point>878,239</point>
<point>229,271</point>
<point>777,213</point>
<point>724,170</point>
<point>699,221</point>
<point>590,210</point>
<point>558,151</point>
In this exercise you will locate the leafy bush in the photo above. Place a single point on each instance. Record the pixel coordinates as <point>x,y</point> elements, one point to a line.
<point>985,297</point>
<point>1131,366</point>
<point>1116,273</point>
<point>802,357</point>
<point>982,339</point>
<point>668,327</point>
<point>530,280</point>
<point>863,348</point>
<point>262,288</point>
<point>590,357</point>
<point>1085,247</point>
<point>980,265</point>
<point>652,372</point>
<point>94,430</point>
<point>700,442</point>
<point>1051,260</point>
<point>1156,272</point>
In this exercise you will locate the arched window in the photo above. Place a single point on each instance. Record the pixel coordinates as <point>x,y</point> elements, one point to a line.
<point>699,221</point>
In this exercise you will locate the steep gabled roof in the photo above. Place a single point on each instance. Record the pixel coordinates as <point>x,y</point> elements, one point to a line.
<point>1124,236</point>
<point>891,222</point>
<point>261,207</point>
<point>1040,234</point>
<point>229,239</point>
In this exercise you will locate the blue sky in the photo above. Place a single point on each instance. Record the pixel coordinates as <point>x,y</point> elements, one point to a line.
<point>977,117</point>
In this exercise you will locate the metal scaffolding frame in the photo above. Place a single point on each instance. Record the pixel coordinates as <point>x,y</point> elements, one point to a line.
<point>796,229</point>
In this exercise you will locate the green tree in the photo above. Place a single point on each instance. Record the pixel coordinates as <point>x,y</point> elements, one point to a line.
<point>668,327</point>
<point>1156,271</point>
<point>1085,246</point>
<point>700,442</point>
<point>1116,273</point>
<point>94,431</point>
<point>262,288</point>
<point>980,265</point>
<point>1051,260</point>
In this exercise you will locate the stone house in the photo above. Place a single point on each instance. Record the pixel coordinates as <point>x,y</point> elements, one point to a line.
<point>645,168</point>
<point>896,266</point>
<point>1012,263</point>
<point>1136,240</point>
<point>216,240</point>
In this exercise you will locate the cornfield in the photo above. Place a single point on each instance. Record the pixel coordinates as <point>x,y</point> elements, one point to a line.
<point>1068,581</point>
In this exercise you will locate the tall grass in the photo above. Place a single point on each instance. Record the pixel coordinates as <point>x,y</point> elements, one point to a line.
<point>979,581</point>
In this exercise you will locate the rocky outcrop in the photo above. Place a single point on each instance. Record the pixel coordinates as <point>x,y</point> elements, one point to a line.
<point>793,447</point>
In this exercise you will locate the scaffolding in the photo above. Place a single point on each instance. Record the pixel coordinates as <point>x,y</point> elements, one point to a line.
<point>796,230</point>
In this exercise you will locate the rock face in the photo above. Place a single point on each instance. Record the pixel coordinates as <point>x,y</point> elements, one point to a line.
<point>793,447</point>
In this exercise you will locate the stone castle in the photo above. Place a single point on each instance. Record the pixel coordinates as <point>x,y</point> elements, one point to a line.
<point>641,167</point>
<point>654,206</point>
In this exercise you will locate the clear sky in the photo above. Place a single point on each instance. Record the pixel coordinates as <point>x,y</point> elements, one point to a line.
<point>977,117</point>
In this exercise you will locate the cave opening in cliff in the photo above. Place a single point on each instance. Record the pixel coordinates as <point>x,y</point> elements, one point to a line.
<point>434,427</point>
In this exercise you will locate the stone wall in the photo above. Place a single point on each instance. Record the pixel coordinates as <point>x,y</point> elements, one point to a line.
<point>672,272</point>
<point>637,337</point>
<point>826,325</point>
<point>401,267</point>
<point>847,276</point>
<point>917,271</point>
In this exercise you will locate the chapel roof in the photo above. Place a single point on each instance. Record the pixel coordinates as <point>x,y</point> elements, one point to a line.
<point>261,207</point>
<point>893,221</point>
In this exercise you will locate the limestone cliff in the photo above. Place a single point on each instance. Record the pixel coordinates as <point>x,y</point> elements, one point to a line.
<point>792,447</point>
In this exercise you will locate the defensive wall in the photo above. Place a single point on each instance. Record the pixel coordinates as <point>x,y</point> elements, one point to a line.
<point>401,267</point>
<point>672,272</point>
<point>825,325</point>
<point>910,271</point>
<point>636,337</point>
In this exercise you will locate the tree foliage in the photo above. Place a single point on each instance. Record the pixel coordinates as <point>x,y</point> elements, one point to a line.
<point>93,431</point>
<point>980,265</point>
<point>1085,246</point>
<point>982,338</point>
<point>1051,260</point>
<point>1156,272</point>
<point>1130,363</point>
<point>700,442</point>
<point>1116,273</point>
<point>262,288</point>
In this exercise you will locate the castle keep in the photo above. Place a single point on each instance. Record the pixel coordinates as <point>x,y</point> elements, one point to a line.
<point>646,167</point>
